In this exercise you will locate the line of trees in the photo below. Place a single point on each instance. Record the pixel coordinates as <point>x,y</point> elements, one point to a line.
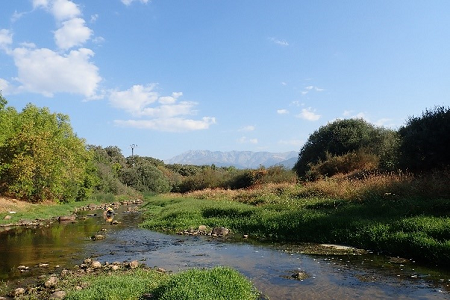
<point>351,145</point>
<point>41,158</point>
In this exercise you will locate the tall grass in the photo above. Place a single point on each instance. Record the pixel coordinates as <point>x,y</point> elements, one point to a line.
<point>398,214</point>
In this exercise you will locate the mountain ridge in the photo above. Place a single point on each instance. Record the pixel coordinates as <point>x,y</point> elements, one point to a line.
<point>238,159</point>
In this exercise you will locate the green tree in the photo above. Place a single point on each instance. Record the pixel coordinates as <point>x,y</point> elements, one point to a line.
<point>346,136</point>
<point>142,174</point>
<point>425,141</point>
<point>42,158</point>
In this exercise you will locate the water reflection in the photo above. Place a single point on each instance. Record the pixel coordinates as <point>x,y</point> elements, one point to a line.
<point>270,267</point>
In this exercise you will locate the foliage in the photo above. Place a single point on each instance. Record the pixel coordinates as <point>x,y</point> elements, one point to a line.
<point>217,283</point>
<point>347,136</point>
<point>144,176</point>
<point>41,158</point>
<point>425,141</point>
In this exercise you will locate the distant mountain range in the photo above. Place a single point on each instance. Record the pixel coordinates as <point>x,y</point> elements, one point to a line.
<point>238,159</point>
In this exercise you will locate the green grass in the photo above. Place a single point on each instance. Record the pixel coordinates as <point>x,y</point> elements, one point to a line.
<point>195,284</point>
<point>45,211</point>
<point>220,283</point>
<point>414,228</point>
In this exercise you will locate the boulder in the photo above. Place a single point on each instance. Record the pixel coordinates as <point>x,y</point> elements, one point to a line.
<point>58,295</point>
<point>51,282</point>
<point>220,231</point>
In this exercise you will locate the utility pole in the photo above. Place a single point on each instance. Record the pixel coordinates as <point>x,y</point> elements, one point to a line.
<point>132,152</point>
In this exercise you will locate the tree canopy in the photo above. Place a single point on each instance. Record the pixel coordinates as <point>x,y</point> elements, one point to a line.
<point>346,136</point>
<point>41,157</point>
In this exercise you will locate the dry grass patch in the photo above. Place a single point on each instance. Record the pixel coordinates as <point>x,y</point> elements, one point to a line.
<point>11,204</point>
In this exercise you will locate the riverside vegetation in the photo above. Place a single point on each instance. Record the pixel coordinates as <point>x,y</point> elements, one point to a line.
<point>353,184</point>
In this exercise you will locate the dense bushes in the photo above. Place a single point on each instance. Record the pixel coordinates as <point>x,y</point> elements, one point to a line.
<point>41,158</point>
<point>345,146</point>
<point>425,141</point>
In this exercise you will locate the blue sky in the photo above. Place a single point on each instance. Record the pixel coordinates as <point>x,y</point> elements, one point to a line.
<point>178,75</point>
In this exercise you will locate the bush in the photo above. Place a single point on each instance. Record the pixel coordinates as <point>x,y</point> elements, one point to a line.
<point>425,141</point>
<point>343,137</point>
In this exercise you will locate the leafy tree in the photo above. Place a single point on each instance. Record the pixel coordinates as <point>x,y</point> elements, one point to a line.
<point>425,141</point>
<point>346,136</point>
<point>42,158</point>
<point>142,174</point>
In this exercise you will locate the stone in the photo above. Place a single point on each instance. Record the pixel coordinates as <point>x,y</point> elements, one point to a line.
<point>96,264</point>
<point>97,237</point>
<point>18,292</point>
<point>134,264</point>
<point>202,228</point>
<point>42,265</point>
<point>220,231</point>
<point>51,282</point>
<point>58,295</point>
<point>8,217</point>
<point>114,267</point>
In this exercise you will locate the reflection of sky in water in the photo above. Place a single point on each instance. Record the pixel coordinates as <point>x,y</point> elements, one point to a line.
<point>270,269</point>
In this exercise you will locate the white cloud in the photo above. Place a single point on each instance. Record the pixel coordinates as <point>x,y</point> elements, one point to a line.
<point>282,111</point>
<point>170,99</point>
<point>94,18</point>
<point>72,33</point>
<point>40,3</point>
<point>166,113</point>
<point>128,2</point>
<point>5,39</point>
<point>169,124</point>
<point>64,9</point>
<point>47,72</point>
<point>247,128</point>
<point>4,86</point>
<point>310,88</point>
<point>245,140</point>
<point>279,42</point>
<point>308,114</point>
<point>135,99</point>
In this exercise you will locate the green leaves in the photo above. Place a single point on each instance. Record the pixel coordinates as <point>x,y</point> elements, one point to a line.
<point>41,157</point>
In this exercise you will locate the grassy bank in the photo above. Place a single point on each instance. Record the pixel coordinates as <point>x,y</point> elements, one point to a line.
<point>146,283</point>
<point>394,214</point>
<point>19,211</point>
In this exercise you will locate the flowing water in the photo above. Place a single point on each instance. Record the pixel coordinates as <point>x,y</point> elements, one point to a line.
<point>270,267</point>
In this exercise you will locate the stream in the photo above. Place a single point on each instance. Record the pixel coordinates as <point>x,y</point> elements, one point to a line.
<point>26,253</point>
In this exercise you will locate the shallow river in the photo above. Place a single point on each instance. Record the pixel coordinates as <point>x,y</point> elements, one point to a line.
<point>269,267</point>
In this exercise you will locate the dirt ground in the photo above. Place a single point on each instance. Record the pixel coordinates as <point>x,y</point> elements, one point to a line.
<point>10,204</point>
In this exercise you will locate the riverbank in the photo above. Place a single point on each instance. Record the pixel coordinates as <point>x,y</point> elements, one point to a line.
<point>414,228</point>
<point>133,280</point>
<point>14,212</point>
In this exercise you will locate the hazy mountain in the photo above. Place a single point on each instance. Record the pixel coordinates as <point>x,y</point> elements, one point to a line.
<point>238,159</point>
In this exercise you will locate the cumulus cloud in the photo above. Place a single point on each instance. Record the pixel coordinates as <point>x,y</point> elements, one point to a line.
<point>245,140</point>
<point>166,113</point>
<point>282,111</point>
<point>47,72</point>
<point>308,114</point>
<point>64,9</point>
<point>128,2</point>
<point>72,33</point>
<point>168,124</point>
